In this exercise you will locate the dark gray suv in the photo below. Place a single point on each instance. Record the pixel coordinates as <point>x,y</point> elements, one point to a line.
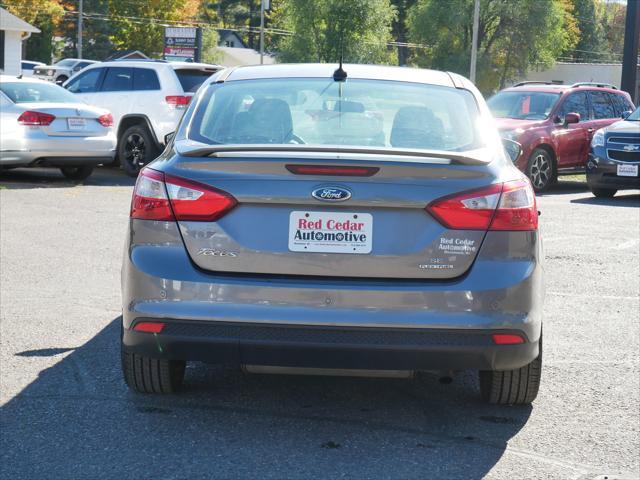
<point>312,219</point>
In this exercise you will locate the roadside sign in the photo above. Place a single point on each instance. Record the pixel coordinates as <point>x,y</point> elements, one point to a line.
<point>182,43</point>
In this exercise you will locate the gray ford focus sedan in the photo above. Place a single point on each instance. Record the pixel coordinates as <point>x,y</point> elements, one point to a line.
<point>315,219</point>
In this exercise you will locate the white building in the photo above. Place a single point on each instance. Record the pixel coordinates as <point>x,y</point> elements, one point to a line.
<point>13,32</point>
<point>570,73</point>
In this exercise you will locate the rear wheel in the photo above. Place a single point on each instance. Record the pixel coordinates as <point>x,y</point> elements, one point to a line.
<point>541,170</point>
<point>135,149</point>
<point>512,387</point>
<point>62,79</point>
<point>76,173</point>
<point>603,192</point>
<point>151,375</point>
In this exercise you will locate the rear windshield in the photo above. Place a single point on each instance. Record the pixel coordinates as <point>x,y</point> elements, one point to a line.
<point>25,92</point>
<point>523,105</point>
<point>370,113</point>
<point>192,79</point>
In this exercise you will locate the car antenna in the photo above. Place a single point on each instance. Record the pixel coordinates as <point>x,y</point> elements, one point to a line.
<point>340,75</point>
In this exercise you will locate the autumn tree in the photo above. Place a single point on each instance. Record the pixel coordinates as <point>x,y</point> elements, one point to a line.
<point>43,14</point>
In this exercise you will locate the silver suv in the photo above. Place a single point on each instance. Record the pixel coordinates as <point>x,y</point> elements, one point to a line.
<point>312,219</point>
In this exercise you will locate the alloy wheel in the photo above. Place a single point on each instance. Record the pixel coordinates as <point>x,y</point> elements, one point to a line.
<point>541,171</point>
<point>135,150</point>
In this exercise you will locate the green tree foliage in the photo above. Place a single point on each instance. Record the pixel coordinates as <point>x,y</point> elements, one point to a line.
<point>210,52</point>
<point>243,16</point>
<point>399,27</point>
<point>592,45</point>
<point>513,35</point>
<point>612,16</point>
<point>321,28</point>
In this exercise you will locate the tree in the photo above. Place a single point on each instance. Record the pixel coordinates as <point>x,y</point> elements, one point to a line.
<point>513,36</point>
<point>612,15</point>
<point>591,46</point>
<point>139,24</point>
<point>399,29</point>
<point>322,29</point>
<point>43,14</point>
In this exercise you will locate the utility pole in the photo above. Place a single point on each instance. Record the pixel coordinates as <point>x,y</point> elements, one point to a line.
<point>474,42</point>
<point>629,79</point>
<point>79,45</point>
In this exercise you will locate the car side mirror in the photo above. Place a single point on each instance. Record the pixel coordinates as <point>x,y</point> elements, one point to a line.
<point>168,137</point>
<point>570,118</point>
<point>625,114</point>
<point>513,149</point>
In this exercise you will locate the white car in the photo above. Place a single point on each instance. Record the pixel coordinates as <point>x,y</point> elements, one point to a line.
<point>41,124</point>
<point>27,67</point>
<point>147,99</point>
<point>61,71</point>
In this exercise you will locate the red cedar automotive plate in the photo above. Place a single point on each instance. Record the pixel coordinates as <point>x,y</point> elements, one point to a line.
<point>330,232</point>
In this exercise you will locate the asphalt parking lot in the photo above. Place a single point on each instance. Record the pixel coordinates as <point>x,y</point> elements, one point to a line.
<point>66,413</point>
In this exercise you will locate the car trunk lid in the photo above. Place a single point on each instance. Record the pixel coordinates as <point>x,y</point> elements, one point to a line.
<point>292,223</point>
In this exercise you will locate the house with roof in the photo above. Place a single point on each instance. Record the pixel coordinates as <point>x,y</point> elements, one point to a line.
<point>13,31</point>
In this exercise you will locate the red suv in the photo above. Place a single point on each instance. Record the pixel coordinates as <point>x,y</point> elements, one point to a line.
<point>555,123</point>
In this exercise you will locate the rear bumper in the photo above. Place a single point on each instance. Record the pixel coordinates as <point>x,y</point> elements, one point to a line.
<point>236,344</point>
<point>602,173</point>
<point>333,323</point>
<point>59,151</point>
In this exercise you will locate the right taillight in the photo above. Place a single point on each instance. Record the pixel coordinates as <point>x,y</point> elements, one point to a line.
<point>35,118</point>
<point>157,196</point>
<point>501,206</point>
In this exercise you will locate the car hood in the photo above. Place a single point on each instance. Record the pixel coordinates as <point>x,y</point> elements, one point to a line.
<point>624,126</point>
<point>512,123</point>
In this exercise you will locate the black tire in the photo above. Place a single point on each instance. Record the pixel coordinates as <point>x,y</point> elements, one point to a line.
<point>136,148</point>
<point>603,192</point>
<point>541,170</point>
<point>76,173</point>
<point>62,79</point>
<point>512,387</point>
<point>151,375</point>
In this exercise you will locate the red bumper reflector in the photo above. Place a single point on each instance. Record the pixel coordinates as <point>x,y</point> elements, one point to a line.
<point>507,339</point>
<point>332,170</point>
<point>149,327</point>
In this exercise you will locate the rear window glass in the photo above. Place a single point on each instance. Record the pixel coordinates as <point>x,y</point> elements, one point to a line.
<point>371,113</point>
<point>145,79</point>
<point>192,79</point>
<point>25,92</point>
<point>523,105</point>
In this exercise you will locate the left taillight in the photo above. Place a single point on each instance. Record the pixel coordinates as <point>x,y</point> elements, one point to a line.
<point>35,118</point>
<point>106,120</point>
<point>157,196</point>
<point>502,206</point>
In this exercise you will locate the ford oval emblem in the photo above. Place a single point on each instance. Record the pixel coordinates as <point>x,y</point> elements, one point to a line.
<point>331,194</point>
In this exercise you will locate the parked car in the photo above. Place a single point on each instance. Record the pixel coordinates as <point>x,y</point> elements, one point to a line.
<point>44,125</point>
<point>614,157</point>
<point>299,222</point>
<point>555,123</point>
<point>28,66</point>
<point>61,71</point>
<point>147,99</point>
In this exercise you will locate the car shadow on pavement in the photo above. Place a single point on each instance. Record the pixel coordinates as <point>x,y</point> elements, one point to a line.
<point>565,187</point>
<point>25,178</point>
<point>622,199</point>
<point>79,420</point>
